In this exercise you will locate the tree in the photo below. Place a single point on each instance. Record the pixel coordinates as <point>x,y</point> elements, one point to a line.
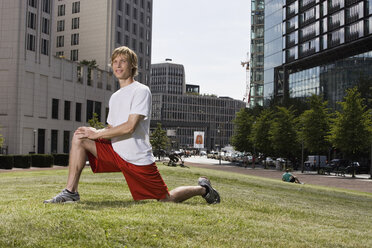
<point>242,131</point>
<point>315,125</point>
<point>260,133</point>
<point>159,140</point>
<point>283,133</point>
<point>94,122</point>
<point>351,130</point>
<point>91,64</point>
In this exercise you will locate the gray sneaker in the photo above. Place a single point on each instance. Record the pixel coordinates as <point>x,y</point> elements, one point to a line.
<point>64,197</point>
<point>212,196</point>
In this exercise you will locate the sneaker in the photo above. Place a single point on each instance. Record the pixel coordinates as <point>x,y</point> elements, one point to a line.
<point>212,196</point>
<point>64,197</point>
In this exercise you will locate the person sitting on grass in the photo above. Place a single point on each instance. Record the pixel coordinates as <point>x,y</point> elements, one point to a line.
<point>288,177</point>
<point>124,146</point>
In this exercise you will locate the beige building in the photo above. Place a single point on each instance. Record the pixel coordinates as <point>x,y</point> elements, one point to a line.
<point>91,29</point>
<point>43,98</point>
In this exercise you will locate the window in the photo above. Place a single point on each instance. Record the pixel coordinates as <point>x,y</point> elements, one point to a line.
<point>142,18</point>
<point>120,5</point>
<point>78,112</point>
<point>66,141</point>
<point>44,47</point>
<point>141,32</point>
<point>61,10</point>
<point>119,21</point>
<point>32,3</point>
<point>127,25</point>
<point>148,21</point>
<point>60,41</point>
<point>74,55</point>
<point>46,6</point>
<point>126,40</point>
<point>134,29</point>
<point>55,103</point>
<point>60,25</point>
<point>135,13</point>
<point>31,22</point>
<point>134,44</point>
<point>60,54</point>
<point>74,39</point>
<point>149,7</point>
<point>118,37</point>
<point>30,42</point>
<point>54,141</point>
<point>75,23</point>
<point>93,107</point>
<point>45,27</point>
<point>127,9</point>
<point>75,7</point>
<point>67,110</point>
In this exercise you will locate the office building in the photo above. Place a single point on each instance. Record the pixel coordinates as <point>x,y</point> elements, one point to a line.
<point>182,110</point>
<point>327,47</point>
<point>43,98</point>
<point>257,53</point>
<point>91,29</point>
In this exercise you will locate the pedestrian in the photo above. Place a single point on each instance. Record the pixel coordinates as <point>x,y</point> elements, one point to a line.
<point>123,146</point>
<point>288,177</point>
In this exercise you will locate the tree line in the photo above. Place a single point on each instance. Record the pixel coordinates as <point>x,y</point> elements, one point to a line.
<point>284,131</point>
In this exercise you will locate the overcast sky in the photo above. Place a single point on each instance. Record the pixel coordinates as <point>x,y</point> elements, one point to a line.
<point>208,37</point>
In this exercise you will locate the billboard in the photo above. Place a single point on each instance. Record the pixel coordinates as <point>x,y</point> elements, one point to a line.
<point>198,139</point>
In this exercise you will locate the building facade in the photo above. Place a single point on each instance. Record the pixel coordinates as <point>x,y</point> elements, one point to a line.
<point>182,113</point>
<point>91,29</point>
<point>43,98</point>
<point>257,52</point>
<point>326,48</point>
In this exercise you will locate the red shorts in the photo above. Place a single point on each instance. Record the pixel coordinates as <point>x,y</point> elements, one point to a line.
<point>145,182</point>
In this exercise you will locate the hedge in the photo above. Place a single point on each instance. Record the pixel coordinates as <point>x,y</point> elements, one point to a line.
<point>22,161</point>
<point>41,160</point>
<point>6,162</point>
<point>61,159</point>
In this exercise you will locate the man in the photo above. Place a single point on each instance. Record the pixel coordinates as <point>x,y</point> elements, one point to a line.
<point>124,145</point>
<point>288,177</point>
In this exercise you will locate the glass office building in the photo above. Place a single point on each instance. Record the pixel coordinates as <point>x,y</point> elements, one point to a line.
<point>257,52</point>
<point>326,48</point>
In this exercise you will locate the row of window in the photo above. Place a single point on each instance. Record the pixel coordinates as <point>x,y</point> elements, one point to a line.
<point>32,23</point>
<point>75,24</point>
<point>31,44</point>
<point>91,107</point>
<point>127,7</point>
<point>45,5</point>
<point>61,9</point>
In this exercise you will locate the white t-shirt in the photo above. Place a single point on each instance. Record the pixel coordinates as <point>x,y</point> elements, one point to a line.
<point>132,99</point>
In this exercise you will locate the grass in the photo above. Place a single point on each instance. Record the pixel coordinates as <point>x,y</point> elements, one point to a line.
<point>255,212</point>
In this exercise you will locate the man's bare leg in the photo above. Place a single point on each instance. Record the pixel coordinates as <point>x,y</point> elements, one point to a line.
<point>183,193</point>
<point>78,153</point>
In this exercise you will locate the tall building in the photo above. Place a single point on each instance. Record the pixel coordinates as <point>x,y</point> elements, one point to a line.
<point>43,98</point>
<point>91,29</point>
<point>326,47</point>
<point>257,52</point>
<point>182,111</point>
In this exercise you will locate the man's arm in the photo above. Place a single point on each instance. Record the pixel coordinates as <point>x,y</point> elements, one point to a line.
<point>110,132</point>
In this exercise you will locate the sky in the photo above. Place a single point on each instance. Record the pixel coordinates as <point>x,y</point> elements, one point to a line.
<point>209,38</point>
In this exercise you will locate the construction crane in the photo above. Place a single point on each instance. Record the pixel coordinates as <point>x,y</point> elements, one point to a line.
<point>247,95</point>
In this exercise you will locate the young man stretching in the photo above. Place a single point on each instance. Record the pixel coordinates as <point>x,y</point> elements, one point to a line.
<point>124,145</point>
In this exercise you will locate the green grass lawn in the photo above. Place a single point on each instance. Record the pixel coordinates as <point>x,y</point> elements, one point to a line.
<point>254,212</point>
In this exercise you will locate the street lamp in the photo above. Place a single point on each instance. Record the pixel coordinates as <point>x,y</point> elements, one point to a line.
<point>34,141</point>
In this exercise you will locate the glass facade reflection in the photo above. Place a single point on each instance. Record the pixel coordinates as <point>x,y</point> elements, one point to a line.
<point>331,79</point>
<point>321,47</point>
<point>257,53</point>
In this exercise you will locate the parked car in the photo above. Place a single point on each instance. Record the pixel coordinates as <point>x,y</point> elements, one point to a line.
<point>269,161</point>
<point>359,169</point>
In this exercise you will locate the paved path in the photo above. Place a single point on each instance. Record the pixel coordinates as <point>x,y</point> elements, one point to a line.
<point>360,183</point>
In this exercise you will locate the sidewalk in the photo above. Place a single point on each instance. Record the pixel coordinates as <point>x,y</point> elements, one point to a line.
<point>359,183</point>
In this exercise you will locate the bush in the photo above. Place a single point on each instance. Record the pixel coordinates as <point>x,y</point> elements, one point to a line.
<point>22,161</point>
<point>61,159</point>
<point>6,162</point>
<point>41,160</point>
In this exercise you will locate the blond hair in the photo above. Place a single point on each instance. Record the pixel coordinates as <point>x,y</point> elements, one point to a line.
<point>129,55</point>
